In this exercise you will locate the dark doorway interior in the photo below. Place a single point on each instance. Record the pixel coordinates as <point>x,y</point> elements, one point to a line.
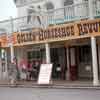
<point>58,58</point>
<point>84,61</point>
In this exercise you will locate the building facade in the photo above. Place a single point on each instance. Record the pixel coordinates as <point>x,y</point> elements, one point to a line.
<point>65,33</point>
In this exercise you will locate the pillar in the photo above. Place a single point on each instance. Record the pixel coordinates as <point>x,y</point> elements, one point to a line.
<point>11,44</point>
<point>0,69</point>
<point>98,58</point>
<point>94,61</point>
<point>12,52</point>
<point>6,67</point>
<point>3,65</point>
<point>73,67</point>
<point>48,60</point>
<point>72,56</point>
<point>68,65</point>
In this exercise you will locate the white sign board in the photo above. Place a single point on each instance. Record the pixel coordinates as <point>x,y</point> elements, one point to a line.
<point>45,74</point>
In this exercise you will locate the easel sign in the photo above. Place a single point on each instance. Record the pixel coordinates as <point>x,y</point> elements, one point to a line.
<point>45,74</point>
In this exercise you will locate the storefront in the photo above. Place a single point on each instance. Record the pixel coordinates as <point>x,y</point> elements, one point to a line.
<point>71,48</point>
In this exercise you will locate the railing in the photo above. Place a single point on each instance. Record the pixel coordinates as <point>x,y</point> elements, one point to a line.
<point>25,23</point>
<point>97,12</point>
<point>69,13</point>
<point>43,19</point>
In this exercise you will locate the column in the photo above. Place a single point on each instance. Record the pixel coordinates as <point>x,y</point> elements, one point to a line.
<point>48,60</point>
<point>3,67</point>
<point>6,67</point>
<point>72,56</point>
<point>73,69</point>
<point>94,61</point>
<point>12,52</point>
<point>98,58</point>
<point>68,66</point>
<point>0,69</point>
<point>11,44</point>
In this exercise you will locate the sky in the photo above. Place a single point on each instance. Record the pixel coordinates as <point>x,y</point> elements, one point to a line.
<point>7,9</point>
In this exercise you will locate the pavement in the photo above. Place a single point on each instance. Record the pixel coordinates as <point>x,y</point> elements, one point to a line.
<point>8,93</point>
<point>53,84</point>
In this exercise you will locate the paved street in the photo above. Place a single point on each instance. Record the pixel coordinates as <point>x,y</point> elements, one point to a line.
<point>48,94</point>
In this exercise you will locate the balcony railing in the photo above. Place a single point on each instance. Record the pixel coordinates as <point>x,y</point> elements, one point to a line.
<point>68,13</point>
<point>43,19</point>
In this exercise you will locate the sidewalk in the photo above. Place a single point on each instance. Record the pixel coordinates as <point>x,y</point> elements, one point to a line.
<point>54,84</point>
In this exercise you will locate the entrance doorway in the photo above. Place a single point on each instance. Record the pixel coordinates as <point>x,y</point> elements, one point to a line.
<point>35,58</point>
<point>58,58</point>
<point>84,61</point>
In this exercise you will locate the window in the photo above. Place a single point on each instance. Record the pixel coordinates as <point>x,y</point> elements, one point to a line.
<point>49,5</point>
<point>68,2</point>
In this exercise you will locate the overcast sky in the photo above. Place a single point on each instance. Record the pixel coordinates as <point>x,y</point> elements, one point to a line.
<point>7,9</point>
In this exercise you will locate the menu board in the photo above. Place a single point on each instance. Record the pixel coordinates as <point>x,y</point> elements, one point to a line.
<point>45,74</point>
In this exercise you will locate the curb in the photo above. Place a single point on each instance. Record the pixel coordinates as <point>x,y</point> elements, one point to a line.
<point>51,86</point>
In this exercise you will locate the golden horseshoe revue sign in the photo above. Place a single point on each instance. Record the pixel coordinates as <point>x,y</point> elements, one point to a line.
<point>86,28</point>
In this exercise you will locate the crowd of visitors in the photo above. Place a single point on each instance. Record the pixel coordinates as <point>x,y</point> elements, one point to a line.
<point>28,71</point>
